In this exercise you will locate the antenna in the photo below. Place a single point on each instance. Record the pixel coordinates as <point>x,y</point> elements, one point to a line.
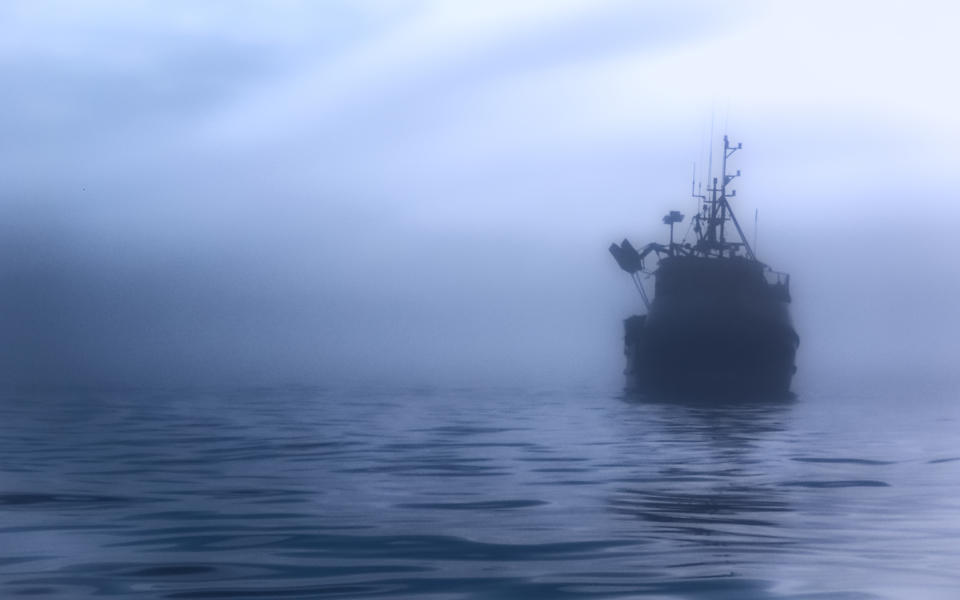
<point>696,191</point>
<point>756,218</point>
<point>710,155</point>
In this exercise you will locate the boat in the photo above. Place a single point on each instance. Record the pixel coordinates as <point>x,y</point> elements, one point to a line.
<point>718,321</point>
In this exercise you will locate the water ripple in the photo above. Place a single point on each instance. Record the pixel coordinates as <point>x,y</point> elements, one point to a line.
<point>300,492</point>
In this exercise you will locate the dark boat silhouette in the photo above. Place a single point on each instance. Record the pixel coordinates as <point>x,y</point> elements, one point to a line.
<point>719,321</point>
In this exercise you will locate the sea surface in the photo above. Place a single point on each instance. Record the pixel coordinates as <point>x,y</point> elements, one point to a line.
<point>849,490</point>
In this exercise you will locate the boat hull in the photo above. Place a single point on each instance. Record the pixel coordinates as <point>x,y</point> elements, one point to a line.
<point>722,363</point>
<point>732,336</point>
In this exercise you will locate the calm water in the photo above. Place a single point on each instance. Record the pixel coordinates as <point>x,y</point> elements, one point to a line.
<point>847,491</point>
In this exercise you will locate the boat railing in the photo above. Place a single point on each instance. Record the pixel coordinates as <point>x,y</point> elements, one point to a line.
<point>779,282</point>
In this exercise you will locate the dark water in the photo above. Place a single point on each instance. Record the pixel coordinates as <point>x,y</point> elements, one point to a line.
<point>843,492</point>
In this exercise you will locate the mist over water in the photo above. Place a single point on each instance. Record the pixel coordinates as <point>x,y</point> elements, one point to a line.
<point>424,193</point>
<point>313,300</point>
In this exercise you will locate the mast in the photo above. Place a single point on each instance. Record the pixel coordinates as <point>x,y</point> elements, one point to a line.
<point>728,151</point>
<point>717,211</point>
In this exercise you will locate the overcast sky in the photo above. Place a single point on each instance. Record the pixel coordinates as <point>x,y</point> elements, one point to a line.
<point>424,191</point>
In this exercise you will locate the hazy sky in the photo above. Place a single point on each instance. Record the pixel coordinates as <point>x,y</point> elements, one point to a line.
<point>424,191</point>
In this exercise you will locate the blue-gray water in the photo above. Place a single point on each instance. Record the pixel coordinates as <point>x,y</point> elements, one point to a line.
<point>846,491</point>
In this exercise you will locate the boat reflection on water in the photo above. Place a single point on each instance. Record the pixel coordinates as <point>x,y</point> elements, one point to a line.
<point>702,484</point>
<point>730,427</point>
